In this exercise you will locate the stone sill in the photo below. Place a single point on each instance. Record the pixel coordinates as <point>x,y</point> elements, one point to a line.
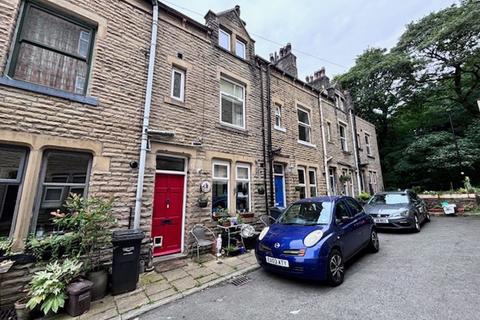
<point>176,103</point>
<point>232,129</point>
<point>32,87</point>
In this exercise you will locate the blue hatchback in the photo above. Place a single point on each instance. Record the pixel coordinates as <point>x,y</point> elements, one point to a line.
<point>314,237</point>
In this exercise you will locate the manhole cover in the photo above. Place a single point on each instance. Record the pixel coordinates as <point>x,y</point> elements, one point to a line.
<point>240,280</point>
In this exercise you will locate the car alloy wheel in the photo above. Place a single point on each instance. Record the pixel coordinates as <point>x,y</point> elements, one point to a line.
<point>417,224</point>
<point>374,245</point>
<point>336,268</point>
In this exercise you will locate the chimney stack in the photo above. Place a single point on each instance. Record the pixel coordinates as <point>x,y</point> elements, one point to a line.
<point>319,80</point>
<point>286,60</point>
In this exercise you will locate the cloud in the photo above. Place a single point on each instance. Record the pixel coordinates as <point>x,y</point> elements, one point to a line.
<point>337,31</point>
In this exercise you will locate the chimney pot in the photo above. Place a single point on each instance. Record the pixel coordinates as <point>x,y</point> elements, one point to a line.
<point>237,9</point>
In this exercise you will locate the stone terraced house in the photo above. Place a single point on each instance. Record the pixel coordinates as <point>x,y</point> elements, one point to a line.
<point>175,120</point>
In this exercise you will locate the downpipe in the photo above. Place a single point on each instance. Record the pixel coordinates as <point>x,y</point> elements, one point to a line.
<point>324,145</point>
<point>146,117</point>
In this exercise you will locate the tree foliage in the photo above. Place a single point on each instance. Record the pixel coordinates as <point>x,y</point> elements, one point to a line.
<point>412,91</point>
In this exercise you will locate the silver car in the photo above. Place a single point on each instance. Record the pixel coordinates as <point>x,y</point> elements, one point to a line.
<point>397,210</point>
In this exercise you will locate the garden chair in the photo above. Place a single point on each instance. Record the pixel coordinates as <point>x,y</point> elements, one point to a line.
<point>204,237</point>
<point>267,220</point>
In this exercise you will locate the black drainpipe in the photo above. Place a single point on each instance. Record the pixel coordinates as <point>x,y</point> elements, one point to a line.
<point>269,136</point>
<point>263,137</point>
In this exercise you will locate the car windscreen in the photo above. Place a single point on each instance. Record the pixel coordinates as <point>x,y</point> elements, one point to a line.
<point>394,198</point>
<point>307,213</point>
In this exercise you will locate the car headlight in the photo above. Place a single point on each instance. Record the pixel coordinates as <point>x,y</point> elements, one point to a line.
<point>312,238</point>
<point>263,233</point>
<point>405,213</point>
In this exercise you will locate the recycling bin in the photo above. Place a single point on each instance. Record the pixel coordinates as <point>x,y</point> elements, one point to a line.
<point>78,297</point>
<point>126,259</point>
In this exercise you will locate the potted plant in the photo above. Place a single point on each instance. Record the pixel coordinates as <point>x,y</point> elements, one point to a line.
<point>233,251</point>
<point>225,222</point>
<point>344,178</point>
<point>203,201</point>
<point>93,220</point>
<point>47,289</point>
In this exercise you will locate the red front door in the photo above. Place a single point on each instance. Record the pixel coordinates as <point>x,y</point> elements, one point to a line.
<point>167,214</point>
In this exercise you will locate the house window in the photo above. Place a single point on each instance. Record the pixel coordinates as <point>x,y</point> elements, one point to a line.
<point>52,50</point>
<point>242,188</point>
<point>220,184</point>
<point>178,84</point>
<point>329,131</point>
<point>304,129</point>
<point>174,164</point>
<point>302,183</point>
<point>240,49</point>
<point>278,117</point>
<point>63,173</point>
<point>367,144</point>
<point>224,39</point>
<point>232,104</point>
<point>340,103</point>
<point>12,163</point>
<point>312,182</point>
<point>343,136</point>
<point>332,176</point>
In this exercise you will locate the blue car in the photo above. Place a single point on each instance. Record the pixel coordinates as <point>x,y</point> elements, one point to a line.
<point>314,238</point>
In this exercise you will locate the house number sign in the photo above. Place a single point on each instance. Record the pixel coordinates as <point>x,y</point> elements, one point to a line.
<point>205,186</point>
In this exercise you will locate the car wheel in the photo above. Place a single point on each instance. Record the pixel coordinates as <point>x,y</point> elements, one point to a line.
<point>374,243</point>
<point>427,217</point>
<point>335,268</point>
<point>416,227</point>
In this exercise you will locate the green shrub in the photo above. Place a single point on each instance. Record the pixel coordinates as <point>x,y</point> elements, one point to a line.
<point>47,288</point>
<point>364,196</point>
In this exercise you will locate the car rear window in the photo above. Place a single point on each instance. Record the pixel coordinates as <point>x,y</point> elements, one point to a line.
<point>307,213</point>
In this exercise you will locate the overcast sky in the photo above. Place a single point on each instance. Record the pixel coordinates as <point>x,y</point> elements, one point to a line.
<point>335,31</point>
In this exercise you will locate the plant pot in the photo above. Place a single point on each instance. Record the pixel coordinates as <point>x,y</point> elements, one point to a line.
<point>202,203</point>
<point>23,313</point>
<point>247,215</point>
<point>100,284</point>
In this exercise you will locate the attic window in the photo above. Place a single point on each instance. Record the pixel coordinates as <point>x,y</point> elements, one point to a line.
<point>240,49</point>
<point>224,39</point>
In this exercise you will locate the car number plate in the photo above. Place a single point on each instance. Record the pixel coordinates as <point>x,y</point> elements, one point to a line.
<point>277,262</point>
<point>380,220</point>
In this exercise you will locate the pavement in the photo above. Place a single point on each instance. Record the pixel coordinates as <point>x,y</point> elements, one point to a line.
<point>170,281</point>
<point>434,274</point>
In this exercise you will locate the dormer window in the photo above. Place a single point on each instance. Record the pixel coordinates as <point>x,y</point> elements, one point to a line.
<point>340,103</point>
<point>224,39</point>
<point>240,49</point>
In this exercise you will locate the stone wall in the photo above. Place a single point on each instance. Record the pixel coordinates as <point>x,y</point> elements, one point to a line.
<point>464,202</point>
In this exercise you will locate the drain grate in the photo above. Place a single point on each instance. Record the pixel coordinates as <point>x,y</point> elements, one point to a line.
<point>8,314</point>
<point>240,280</point>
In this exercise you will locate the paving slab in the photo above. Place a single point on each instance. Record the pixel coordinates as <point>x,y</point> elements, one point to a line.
<point>175,274</point>
<point>163,294</point>
<point>184,283</point>
<point>131,302</point>
<point>199,272</point>
<point>157,287</point>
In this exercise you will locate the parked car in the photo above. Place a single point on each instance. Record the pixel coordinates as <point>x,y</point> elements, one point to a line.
<point>398,210</point>
<point>314,237</point>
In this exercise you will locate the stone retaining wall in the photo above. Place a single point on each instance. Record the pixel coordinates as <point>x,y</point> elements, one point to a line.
<point>468,202</point>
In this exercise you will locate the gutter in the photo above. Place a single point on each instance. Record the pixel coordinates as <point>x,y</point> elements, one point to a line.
<point>263,139</point>
<point>146,117</point>
<point>269,136</point>
<point>324,144</point>
<point>355,146</point>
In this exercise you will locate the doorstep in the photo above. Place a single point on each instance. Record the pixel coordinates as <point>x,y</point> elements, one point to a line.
<point>155,289</point>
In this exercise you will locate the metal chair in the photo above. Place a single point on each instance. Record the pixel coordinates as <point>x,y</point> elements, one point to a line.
<point>267,220</point>
<point>204,237</point>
